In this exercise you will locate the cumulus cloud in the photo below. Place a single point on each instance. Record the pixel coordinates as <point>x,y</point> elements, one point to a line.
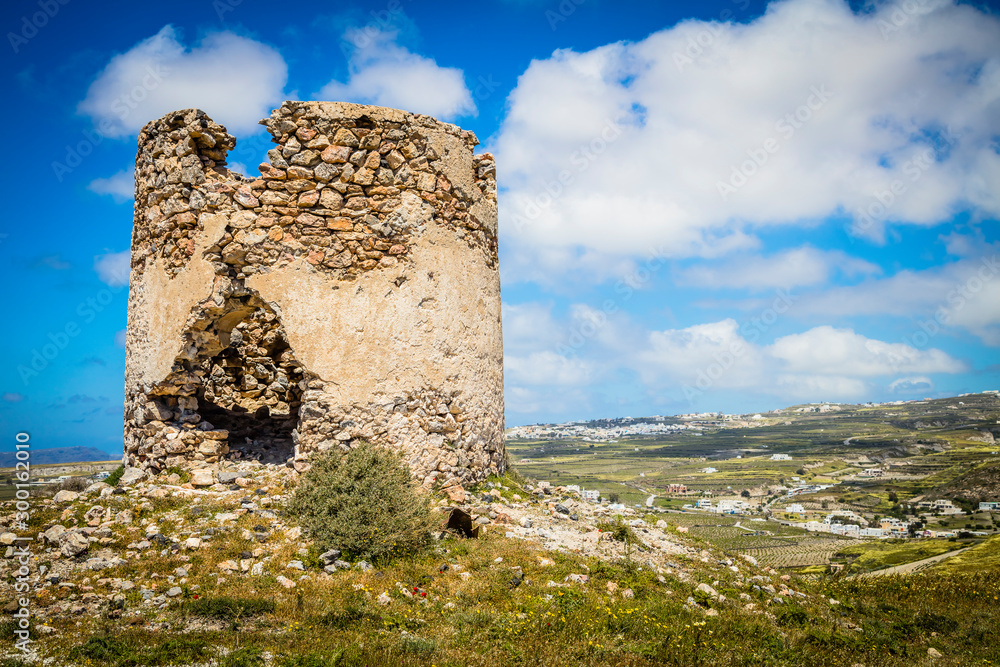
<point>579,353</point>
<point>120,338</point>
<point>825,350</point>
<point>822,363</point>
<point>796,267</point>
<point>113,268</point>
<point>236,80</point>
<point>712,354</point>
<point>920,383</point>
<point>704,133</point>
<point>963,294</point>
<point>547,368</point>
<point>384,73</point>
<point>120,186</point>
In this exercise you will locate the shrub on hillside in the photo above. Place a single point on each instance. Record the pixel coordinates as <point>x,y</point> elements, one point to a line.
<point>364,503</point>
<point>115,476</point>
<point>77,484</point>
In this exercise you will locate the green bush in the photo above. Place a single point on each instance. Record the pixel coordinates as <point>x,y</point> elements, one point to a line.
<point>229,609</point>
<point>618,530</point>
<point>116,475</point>
<point>364,503</point>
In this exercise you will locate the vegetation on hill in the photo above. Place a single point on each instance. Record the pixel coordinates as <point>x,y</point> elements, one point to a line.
<point>363,503</point>
<point>972,487</point>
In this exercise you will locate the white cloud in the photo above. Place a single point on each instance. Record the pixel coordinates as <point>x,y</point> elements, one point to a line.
<point>384,73</point>
<point>963,294</point>
<point>548,369</point>
<point>619,149</point>
<point>704,355</point>
<point>234,79</point>
<point>113,268</point>
<point>574,357</point>
<point>828,351</point>
<point>816,388</point>
<point>920,383</point>
<point>121,186</point>
<point>120,338</point>
<point>796,267</point>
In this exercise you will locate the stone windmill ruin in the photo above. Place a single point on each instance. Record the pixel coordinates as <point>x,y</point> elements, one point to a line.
<point>351,292</point>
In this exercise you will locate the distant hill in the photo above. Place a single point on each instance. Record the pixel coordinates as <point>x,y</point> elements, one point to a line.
<point>58,455</point>
<point>975,486</point>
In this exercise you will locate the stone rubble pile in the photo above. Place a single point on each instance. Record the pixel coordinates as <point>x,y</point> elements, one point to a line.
<point>81,554</point>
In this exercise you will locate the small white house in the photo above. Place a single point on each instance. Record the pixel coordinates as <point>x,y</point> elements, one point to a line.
<point>991,506</point>
<point>795,508</point>
<point>592,494</point>
<point>780,457</point>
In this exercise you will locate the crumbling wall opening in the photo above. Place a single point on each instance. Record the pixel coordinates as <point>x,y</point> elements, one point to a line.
<point>252,387</point>
<point>236,388</point>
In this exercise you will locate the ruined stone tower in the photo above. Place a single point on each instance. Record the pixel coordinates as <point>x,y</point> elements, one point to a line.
<point>351,292</point>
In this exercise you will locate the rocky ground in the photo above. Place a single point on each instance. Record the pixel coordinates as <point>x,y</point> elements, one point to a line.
<point>132,554</point>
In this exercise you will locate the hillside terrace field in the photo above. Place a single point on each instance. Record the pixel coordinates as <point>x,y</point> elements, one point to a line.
<point>928,449</point>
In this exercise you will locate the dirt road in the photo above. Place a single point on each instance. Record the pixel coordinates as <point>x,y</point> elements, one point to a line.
<point>915,566</point>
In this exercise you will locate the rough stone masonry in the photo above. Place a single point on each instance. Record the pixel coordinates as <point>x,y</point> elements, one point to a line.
<point>351,292</point>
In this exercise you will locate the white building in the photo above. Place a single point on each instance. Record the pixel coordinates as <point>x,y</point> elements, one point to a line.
<point>795,508</point>
<point>992,506</point>
<point>780,457</point>
<point>704,504</point>
<point>592,494</point>
<point>945,507</point>
<point>731,506</point>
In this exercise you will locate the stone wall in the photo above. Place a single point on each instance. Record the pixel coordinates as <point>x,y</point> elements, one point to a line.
<point>349,293</point>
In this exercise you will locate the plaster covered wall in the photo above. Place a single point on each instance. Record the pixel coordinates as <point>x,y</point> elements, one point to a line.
<point>351,292</point>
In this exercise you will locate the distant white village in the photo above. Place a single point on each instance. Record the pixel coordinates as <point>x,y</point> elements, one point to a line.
<point>784,507</point>
<point>607,430</point>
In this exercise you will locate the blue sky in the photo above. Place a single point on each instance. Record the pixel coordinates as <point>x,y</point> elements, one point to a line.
<point>725,206</point>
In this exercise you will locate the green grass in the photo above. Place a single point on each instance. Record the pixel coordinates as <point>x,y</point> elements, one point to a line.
<point>887,553</point>
<point>983,556</point>
<point>228,608</point>
<point>492,623</point>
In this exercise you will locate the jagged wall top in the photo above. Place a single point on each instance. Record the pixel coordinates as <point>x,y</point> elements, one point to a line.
<point>342,175</point>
